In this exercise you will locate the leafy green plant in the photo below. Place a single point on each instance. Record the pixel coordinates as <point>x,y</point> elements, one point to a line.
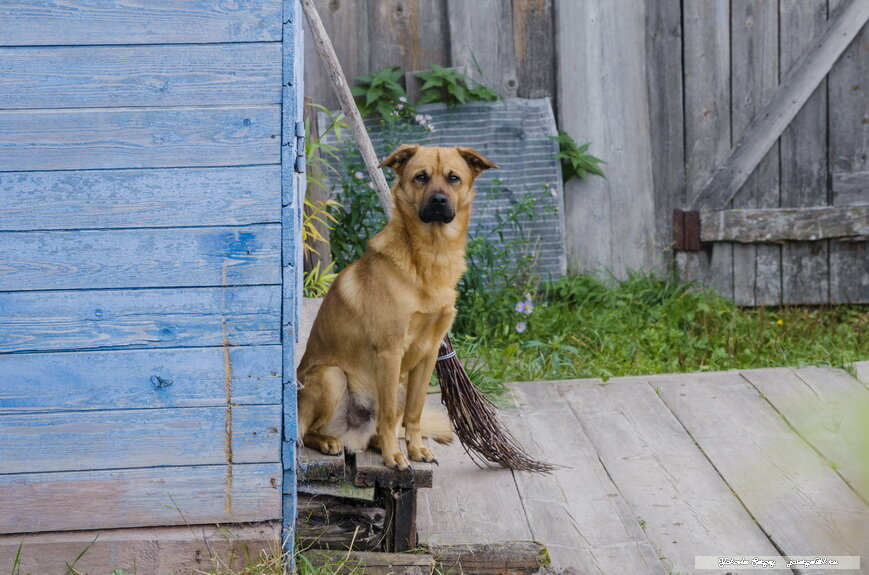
<point>318,281</point>
<point>451,87</point>
<point>380,93</point>
<point>576,162</point>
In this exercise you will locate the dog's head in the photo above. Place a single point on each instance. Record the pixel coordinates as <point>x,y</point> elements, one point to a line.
<point>436,183</point>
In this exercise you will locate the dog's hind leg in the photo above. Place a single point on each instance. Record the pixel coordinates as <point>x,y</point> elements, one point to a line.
<point>324,390</point>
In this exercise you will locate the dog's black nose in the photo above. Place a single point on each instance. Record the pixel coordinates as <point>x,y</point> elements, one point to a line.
<point>438,200</point>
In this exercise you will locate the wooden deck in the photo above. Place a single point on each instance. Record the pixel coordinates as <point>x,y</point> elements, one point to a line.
<point>660,469</point>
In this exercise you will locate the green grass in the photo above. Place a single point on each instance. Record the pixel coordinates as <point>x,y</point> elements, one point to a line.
<point>581,326</point>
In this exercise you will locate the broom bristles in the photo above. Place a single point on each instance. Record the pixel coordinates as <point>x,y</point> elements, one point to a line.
<point>475,419</point>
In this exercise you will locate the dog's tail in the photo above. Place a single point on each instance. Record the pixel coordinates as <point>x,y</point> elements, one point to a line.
<point>435,424</point>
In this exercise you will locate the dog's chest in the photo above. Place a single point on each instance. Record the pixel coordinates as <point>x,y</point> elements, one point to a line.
<point>424,334</point>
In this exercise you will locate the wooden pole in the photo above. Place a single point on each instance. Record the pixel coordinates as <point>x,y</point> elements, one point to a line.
<point>348,105</point>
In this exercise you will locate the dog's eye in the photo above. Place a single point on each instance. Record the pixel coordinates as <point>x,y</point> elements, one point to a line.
<point>453,179</point>
<point>421,178</point>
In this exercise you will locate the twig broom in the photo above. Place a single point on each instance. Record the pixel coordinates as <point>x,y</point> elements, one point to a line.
<point>473,415</point>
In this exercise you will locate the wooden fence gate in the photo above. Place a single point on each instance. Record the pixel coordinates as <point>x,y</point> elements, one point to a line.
<point>776,147</point>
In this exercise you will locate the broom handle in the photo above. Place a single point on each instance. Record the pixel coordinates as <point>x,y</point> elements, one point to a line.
<point>348,105</point>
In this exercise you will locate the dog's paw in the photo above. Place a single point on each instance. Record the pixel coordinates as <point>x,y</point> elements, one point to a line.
<point>329,445</point>
<point>395,460</point>
<point>421,453</point>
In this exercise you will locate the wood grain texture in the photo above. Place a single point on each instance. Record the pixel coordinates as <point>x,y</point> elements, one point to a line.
<point>182,257</point>
<point>849,188</point>
<point>685,507</point>
<point>126,438</point>
<point>193,377</point>
<point>534,44</point>
<point>481,43</point>
<point>494,518</point>
<point>844,25</point>
<point>95,76</point>
<point>315,466</point>
<point>666,113</point>
<point>368,470</point>
<point>848,105</point>
<point>801,503</point>
<point>409,34</point>
<point>83,199</point>
<point>576,511</point>
<point>37,502</point>
<point>754,79</point>
<point>706,36</point>
<point>803,145</point>
<point>31,321</point>
<point>827,408</point>
<point>610,221</point>
<point>138,138</point>
<point>144,551</point>
<point>780,224</point>
<point>76,22</point>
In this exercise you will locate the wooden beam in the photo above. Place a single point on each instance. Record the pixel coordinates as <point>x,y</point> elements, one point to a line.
<point>783,224</point>
<point>372,563</point>
<point>789,98</point>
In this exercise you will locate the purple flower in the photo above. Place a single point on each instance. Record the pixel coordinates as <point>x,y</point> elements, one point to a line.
<point>521,326</point>
<point>520,306</point>
<point>525,307</point>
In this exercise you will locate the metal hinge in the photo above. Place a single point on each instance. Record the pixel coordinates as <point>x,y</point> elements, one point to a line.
<point>686,230</point>
<point>299,165</point>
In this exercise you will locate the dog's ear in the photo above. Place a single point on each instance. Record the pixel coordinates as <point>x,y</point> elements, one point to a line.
<point>476,160</point>
<point>399,157</point>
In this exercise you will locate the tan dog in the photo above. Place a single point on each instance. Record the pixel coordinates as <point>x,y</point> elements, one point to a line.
<point>374,343</point>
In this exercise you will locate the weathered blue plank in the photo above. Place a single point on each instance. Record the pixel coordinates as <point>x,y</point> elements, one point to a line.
<point>139,497</point>
<point>167,75</point>
<point>146,318</point>
<point>195,377</point>
<point>292,184</point>
<point>139,198</point>
<point>179,257</point>
<point>138,138</point>
<point>126,438</point>
<point>62,22</point>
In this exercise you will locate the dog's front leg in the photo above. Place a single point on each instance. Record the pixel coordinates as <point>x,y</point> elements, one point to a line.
<point>388,372</point>
<point>417,386</point>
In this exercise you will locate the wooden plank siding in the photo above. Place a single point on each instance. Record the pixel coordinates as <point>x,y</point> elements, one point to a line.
<point>165,75</point>
<point>138,137</point>
<point>135,198</point>
<point>147,278</point>
<point>189,495</point>
<point>82,22</point>
<point>192,377</point>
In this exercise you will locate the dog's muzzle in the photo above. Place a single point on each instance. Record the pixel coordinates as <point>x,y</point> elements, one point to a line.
<point>437,209</point>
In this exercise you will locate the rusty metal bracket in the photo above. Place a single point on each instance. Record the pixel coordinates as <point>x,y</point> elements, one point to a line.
<point>686,230</point>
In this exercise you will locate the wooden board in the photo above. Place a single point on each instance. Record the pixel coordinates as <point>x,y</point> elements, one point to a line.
<point>610,222</point>
<point>803,145</point>
<point>194,377</point>
<point>140,258</point>
<point>410,34</point>
<point>126,438</point>
<point>828,408</point>
<point>143,551</point>
<point>83,199</point>
<point>779,224</point>
<point>159,496</point>
<point>534,45</point>
<point>577,511</point>
<point>482,505</point>
<point>706,36</point>
<point>754,78</point>
<point>368,470</point>
<point>343,562</point>
<point>666,113</point>
<point>96,76</point>
<point>800,502</point>
<point>509,558</point>
<point>74,22</point>
<point>848,152</point>
<point>138,137</point>
<point>103,319</point>
<point>684,507</point>
<point>481,43</point>
<point>315,466</point>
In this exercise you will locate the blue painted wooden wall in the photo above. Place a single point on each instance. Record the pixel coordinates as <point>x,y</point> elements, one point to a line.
<point>149,235</point>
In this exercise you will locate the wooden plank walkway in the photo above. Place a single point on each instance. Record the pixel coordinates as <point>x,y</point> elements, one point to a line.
<point>663,468</point>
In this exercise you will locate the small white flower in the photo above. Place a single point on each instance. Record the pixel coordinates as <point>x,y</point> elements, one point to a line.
<point>359,175</point>
<point>402,99</point>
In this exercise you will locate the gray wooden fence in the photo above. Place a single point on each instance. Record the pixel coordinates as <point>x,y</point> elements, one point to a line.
<point>696,105</point>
